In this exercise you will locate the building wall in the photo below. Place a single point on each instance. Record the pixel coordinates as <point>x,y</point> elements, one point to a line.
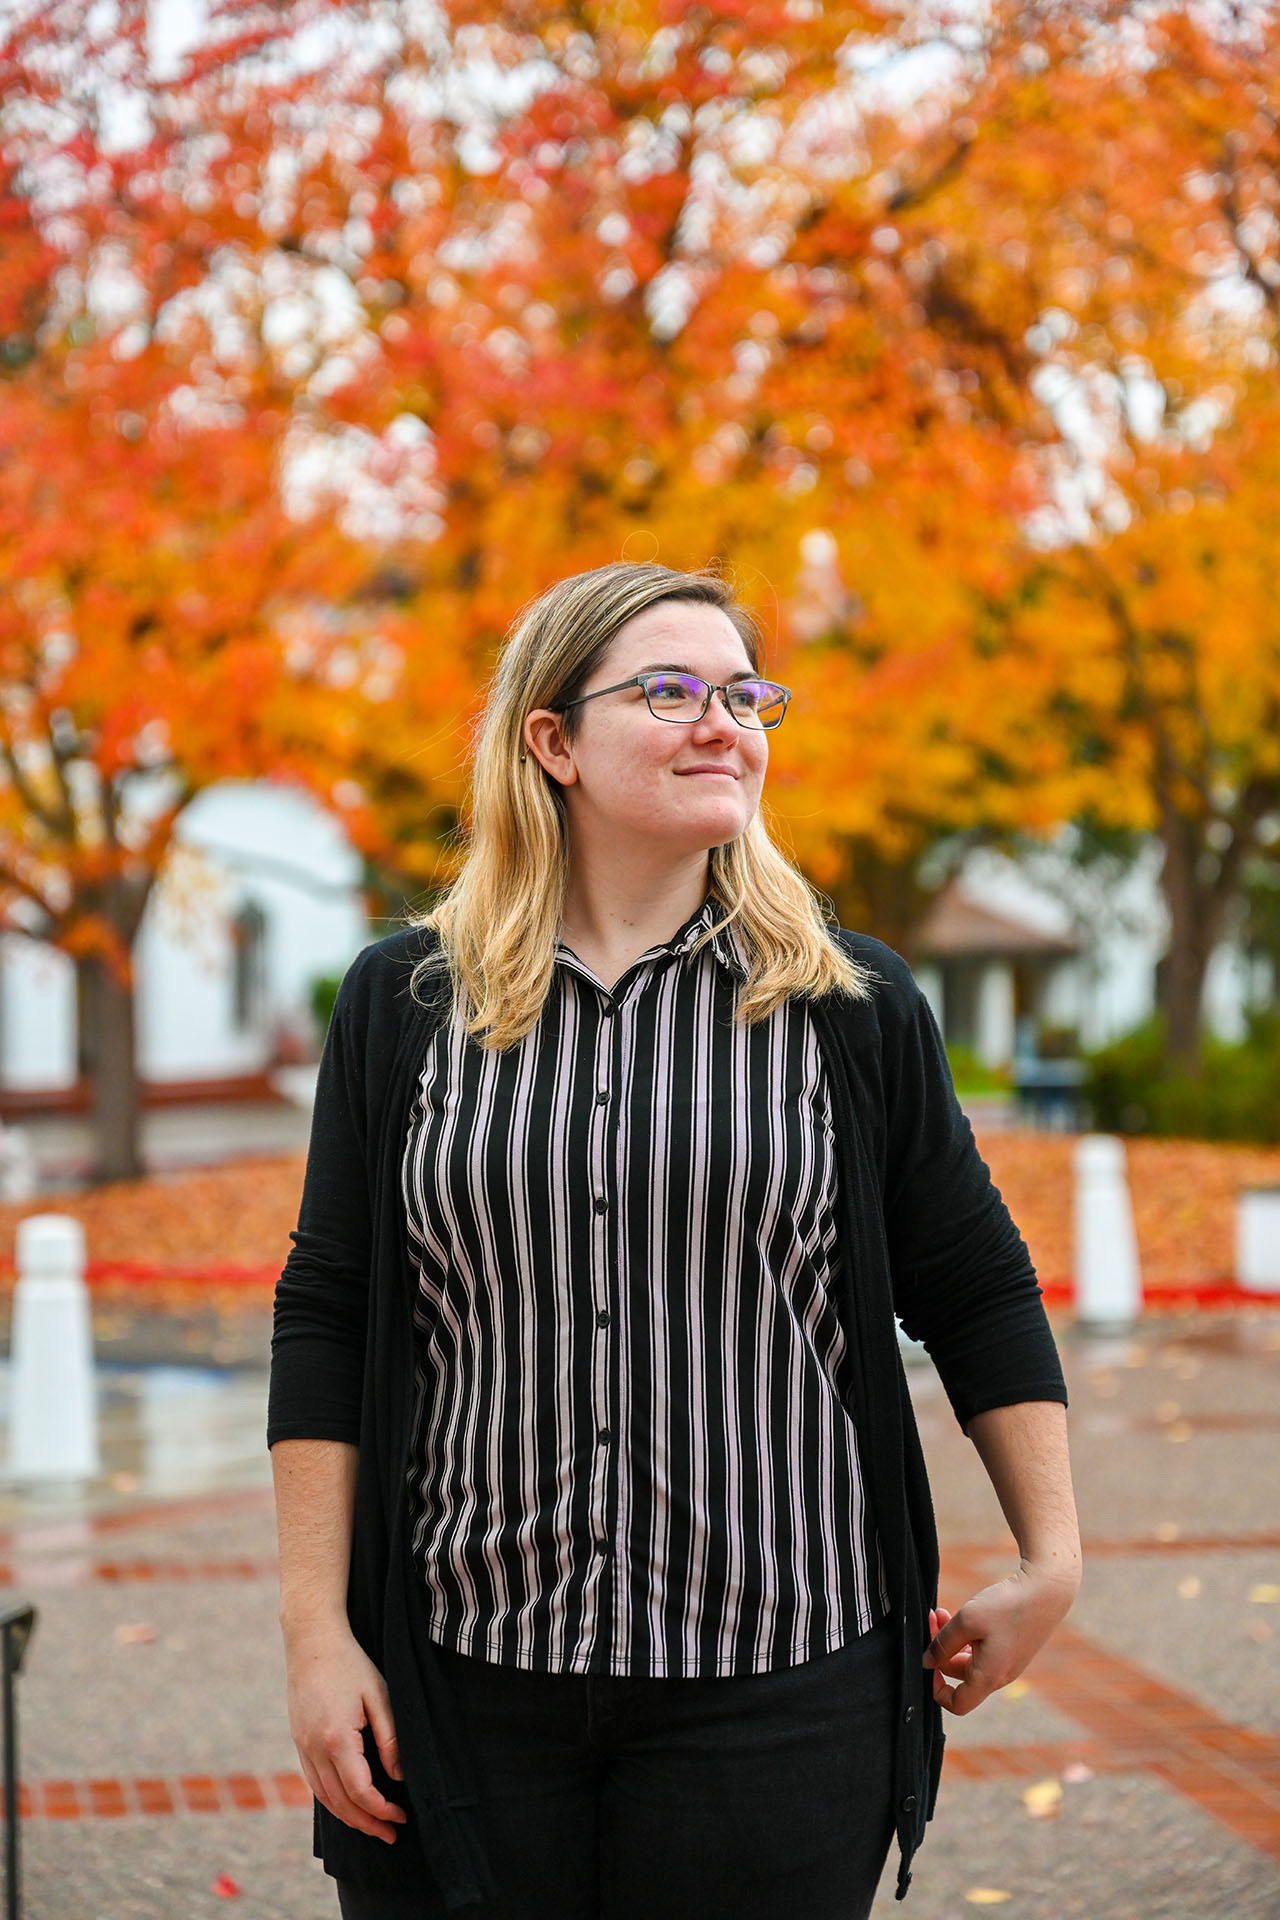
<point>254,845</point>
<point>37,1015</point>
<point>240,845</point>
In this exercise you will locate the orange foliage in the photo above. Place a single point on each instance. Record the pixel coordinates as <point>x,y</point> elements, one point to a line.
<point>676,288</point>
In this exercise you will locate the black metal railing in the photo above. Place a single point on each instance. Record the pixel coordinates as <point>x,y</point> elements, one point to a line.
<point>16,1622</point>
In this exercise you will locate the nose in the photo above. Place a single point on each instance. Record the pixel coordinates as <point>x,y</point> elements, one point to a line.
<point>717,723</point>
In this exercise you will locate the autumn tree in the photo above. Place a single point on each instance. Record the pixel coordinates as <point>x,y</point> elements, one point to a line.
<point>166,620</point>
<point>640,295</point>
<point>1146,616</point>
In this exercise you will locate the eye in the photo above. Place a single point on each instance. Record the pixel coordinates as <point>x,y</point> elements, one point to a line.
<point>674,689</point>
<point>764,700</point>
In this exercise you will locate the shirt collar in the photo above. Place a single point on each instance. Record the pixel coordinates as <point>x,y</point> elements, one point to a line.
<point>726,943</point>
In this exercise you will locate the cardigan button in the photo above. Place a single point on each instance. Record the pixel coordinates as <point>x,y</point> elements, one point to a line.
<point>909,1804</point>
<point>908,1716</point>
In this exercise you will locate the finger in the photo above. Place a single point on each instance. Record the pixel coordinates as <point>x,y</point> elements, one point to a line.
<point>956,1632</point>
<point>943,1689</point>
<point>958,1667</point>
<point>340,1762</point>
<point>333,1795</point>
<point>353,1772</point>
<point>378,1707</point>
<point>325,1783</point>
<point>963,1698</point>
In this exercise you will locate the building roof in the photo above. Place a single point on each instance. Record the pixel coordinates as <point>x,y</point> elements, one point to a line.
<point>956,927</point>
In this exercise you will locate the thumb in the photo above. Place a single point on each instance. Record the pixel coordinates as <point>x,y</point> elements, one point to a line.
<point>938,1618</point>
<point>378,1707</point>
<point>951,1635</point>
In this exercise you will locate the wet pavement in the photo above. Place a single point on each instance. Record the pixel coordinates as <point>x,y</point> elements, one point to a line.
<point>1134,1774</point>
<point>194,1134</point>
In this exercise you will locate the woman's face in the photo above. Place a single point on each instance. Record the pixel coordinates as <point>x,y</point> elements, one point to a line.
<point>629,777</point>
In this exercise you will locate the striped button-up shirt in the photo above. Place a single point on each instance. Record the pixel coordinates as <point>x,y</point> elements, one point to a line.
<point>632,1447</point>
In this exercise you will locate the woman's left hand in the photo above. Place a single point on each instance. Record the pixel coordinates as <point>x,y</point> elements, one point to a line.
<point>995,1635</point>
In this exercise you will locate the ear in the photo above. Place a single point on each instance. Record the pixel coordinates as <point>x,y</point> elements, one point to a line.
<point>544,738</point>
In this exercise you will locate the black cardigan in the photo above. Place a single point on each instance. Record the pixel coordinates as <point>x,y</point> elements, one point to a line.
<point>925,1234</point>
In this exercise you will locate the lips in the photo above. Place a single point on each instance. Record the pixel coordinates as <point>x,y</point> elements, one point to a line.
<point>721,773</point>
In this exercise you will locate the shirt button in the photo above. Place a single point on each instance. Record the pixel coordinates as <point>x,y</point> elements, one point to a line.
<point>602,1318</point>
<point>604,1436</point>
<point>602,1205</point>
<point>602,1098</point>
<point>602,1546</point>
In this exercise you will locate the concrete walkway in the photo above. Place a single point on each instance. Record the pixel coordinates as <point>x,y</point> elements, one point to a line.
<point>161,1783</point>
<point>180,1136</point>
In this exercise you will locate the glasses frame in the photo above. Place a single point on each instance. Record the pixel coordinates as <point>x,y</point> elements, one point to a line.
<point>642,680</point>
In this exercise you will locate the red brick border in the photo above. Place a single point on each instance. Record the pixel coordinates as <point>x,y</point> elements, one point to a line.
<point>1133,1722</point>
<point>1141,1724</point>
<point>188,1793</point>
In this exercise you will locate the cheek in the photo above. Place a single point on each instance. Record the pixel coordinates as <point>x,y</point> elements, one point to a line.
<point>758,761</point>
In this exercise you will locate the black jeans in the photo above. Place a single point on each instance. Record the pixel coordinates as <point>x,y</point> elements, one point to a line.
<point>756,1797</point>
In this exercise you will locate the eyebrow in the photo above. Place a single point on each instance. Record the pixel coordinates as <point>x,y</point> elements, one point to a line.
<point>678,666</point>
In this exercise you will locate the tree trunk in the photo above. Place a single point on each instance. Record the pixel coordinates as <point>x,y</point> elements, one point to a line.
<point>1195,919</point>
<point>880,896</point>
<point>116,1103</point>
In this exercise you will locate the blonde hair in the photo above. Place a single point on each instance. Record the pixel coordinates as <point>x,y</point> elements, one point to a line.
<point>499,920</point>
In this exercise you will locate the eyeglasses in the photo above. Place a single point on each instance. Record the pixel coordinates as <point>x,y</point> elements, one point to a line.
<point>683,698</point>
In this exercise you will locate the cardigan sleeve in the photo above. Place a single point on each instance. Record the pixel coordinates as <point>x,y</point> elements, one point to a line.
<point>964,1283</point>
<point>321,1299</point>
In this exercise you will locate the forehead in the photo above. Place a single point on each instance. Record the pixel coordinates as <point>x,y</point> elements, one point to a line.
<point>679,633</point>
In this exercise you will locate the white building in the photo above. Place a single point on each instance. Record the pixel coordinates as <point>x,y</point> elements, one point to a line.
<point>1016,947</point>
<point>259,897</point>
<point>262,895</point>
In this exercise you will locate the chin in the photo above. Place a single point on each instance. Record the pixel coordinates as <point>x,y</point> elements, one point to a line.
<point>716,828</point>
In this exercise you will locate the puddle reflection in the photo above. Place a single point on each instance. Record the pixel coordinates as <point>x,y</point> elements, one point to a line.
<point>165,1430</point>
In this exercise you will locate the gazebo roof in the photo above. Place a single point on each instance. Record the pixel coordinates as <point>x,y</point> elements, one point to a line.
<point>957,927</point>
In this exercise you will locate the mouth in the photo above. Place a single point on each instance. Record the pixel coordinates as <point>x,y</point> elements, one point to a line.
<point>714,773</point>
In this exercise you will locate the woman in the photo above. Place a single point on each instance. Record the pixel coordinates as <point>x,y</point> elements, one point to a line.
<point>608,1570</point>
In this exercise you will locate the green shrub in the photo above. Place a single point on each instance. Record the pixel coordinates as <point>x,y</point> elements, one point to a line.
<point>972,1075</point>
<point>1235,1096</point>
<point>322,991</point>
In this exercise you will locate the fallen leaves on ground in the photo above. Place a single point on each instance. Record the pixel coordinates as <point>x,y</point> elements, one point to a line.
<point>1184,1199</point>
<point>1043,1801</point>
<point>239,1215</point>
<point>987,1896</point>
<point>138,1633</point>
<point>224,1886</point>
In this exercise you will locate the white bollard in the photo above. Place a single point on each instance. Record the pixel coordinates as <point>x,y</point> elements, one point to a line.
<point>1108,1280</point>
<point>53,1414</point>
<point>1258,1239</point>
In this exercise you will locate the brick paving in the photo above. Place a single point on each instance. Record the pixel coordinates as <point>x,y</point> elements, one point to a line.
<point>158,1772</point>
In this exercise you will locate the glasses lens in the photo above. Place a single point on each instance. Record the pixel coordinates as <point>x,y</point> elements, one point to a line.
<point>675,696</point>
<point>757,703</point>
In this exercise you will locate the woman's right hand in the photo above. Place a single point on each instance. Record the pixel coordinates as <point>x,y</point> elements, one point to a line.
<point>335,1691</point>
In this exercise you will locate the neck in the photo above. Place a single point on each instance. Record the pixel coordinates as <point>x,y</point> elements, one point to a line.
<point>613,914</point>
